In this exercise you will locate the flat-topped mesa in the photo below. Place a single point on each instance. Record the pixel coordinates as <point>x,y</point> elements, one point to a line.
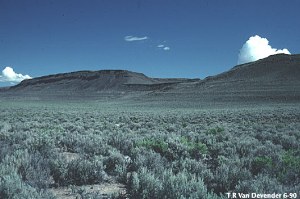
<point>94,81</point>
<point>122,75</point>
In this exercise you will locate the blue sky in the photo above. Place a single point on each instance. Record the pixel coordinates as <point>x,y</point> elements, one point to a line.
<point>197,38</point>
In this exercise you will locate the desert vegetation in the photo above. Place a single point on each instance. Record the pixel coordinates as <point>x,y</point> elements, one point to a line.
<point>151,152</point>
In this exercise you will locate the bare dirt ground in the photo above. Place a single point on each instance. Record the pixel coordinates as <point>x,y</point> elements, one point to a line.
<point>73,192</point>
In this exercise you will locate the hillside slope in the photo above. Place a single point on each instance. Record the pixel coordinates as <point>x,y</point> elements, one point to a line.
<point>275,78</point>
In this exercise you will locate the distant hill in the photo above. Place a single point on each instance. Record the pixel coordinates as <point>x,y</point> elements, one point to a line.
<point>280,67</point>
<point>275,78</point>
<point>86,80</point>
<point>80,84</point>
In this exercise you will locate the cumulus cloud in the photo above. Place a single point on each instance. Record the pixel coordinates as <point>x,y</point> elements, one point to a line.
<point>257,48</point>
<point>133,38</point>
<point>9,75</point>
<point>163,47</point>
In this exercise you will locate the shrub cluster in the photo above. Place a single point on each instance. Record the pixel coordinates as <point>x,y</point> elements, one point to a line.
<point>156,154</point>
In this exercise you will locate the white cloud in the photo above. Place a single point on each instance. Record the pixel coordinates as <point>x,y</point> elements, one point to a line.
<point>257,48</point>
<point>132,38</point>
<point>163,47</point>
<point>9,75</point>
